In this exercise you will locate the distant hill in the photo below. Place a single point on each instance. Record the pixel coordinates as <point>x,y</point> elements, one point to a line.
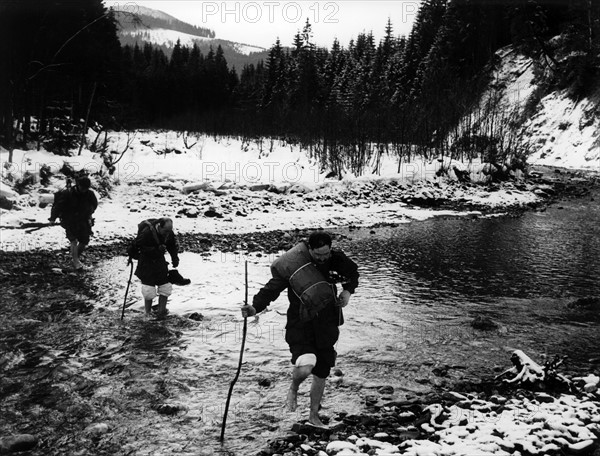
<point>162,30</point>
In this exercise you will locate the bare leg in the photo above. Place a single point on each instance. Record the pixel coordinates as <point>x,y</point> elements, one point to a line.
<point>75,255</point>
<point>299,374</point>
<point>80,248</point>
<point>148,306</point>
<point>316,394</point>
<point>162,305</point>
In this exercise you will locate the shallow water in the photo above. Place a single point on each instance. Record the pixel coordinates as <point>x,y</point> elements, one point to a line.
<point>407,326</point>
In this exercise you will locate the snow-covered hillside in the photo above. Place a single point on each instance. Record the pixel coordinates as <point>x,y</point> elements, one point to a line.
<point>168,38</point>
<point>560,132</point>
<point>165,37</point>
<point>565,132</point>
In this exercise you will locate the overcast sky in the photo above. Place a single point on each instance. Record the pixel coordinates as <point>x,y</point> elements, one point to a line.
<point>261,22</point>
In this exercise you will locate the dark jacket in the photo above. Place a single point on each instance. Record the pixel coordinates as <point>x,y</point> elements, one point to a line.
<point>73,207</point>
<point>338,269</point>
<point>152,268</point>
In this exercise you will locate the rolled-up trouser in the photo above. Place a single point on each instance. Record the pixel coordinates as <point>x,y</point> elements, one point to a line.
<point>149,292</point>
<point>302,341</point>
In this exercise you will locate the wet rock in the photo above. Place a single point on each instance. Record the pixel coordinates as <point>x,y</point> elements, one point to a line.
<point>5,203</point>
<point>543,397</point>
<point>213,213</point>
<point>453,396</point>
<point>17,443</point>
<point>386,390</point>
<point>440,371</point>
<point>169,409</point>
<point>264,382</point>
<point>581,447</point>
<point>483,323</point>
<point>294,436</point>
<point>96,430</point>
<point>196,316</point>
<point>259,187</point>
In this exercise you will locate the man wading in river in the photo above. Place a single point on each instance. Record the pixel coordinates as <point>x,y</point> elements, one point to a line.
<point>309,272</point>
<point>75,207</point>
<point>155,237</point>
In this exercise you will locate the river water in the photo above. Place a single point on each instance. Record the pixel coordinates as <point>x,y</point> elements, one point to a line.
<point>408,325</point>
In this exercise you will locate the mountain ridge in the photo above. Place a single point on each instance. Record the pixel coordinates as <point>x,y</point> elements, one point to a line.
<point>163,30</point>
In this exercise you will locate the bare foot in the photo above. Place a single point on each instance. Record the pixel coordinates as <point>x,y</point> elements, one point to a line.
<point>292,400</point>
<point>316,421</point>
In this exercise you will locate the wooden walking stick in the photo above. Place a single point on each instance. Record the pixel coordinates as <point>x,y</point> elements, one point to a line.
<point>127,289</point>
<point>232,384</point>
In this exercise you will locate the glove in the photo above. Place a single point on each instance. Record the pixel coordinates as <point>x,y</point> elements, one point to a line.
<point>175,262</point>
<point>248,311</point>
<point>162,248</point>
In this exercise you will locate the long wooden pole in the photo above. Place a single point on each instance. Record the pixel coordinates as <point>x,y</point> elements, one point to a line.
<point>127,289</point>
<point>239,368</point>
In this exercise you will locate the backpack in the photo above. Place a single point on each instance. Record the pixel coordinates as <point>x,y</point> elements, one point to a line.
<point>133,251</point>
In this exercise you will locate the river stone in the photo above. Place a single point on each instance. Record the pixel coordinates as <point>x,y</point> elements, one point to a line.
<point>259,187</point>
<point>17,443</point>
<point>96,430</point>
<point>483,323</point>
<point>386,390</point>
<point>5,203</point>
<point>213,213</point>
<point>196,316</point>
<point>581,447</point>
<point>169,409</point>
<point>543,397</point>
<point>190,188</point>
<point>453,396</point>
<point>264,382</point>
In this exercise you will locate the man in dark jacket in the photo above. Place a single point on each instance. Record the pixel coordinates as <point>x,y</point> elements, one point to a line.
<point>75,207</point>
<point>312,342</point>
<point>155,237</point>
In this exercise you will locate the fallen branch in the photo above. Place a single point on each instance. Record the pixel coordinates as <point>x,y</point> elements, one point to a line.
<point>526,372</point>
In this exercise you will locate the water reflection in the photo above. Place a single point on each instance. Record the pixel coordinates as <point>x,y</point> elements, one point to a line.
<point>421,285</point>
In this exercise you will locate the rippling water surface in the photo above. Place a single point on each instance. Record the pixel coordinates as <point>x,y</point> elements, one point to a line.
<point>422,284</point>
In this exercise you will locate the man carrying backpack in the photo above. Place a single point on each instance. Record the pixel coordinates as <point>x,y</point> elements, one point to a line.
<point>155,237</point>
<point>75,207</point>
<point>309,271</point>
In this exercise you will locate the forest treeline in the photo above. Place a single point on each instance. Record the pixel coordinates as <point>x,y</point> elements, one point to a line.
<point>346,103</point>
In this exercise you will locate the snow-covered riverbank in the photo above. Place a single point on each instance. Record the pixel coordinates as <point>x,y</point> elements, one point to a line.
<point>229,186</point>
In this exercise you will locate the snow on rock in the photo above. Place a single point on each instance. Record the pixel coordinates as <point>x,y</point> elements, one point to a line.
<point>565,132</point>
<point>524,424</point>
<point>338,445</point>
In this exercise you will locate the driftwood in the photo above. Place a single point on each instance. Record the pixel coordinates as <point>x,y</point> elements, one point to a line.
<point>527,372</point>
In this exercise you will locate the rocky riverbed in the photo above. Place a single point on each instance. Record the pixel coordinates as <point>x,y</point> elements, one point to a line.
<point>78,380</point>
